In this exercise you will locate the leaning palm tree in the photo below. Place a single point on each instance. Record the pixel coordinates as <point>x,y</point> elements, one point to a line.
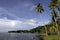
<point>53,5</point>
<point>40,9</point>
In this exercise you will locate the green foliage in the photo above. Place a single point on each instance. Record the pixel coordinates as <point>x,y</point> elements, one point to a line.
<point>38,29</point>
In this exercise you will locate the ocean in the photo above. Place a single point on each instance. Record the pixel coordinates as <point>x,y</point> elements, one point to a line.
<point>19,36</point>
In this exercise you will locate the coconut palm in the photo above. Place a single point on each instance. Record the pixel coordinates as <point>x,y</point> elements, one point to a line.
<point>53,5</point>
<point>40,10</point>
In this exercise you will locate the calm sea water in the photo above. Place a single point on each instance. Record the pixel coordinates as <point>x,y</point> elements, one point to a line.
<point>19,36</point>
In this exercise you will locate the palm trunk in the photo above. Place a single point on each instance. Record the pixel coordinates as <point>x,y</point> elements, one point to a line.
<point>56,26</point>
<point>46,30</point>
<point>55,20</point>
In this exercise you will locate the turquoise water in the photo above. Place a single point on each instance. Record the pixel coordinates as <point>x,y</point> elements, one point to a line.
<point>19,36</point>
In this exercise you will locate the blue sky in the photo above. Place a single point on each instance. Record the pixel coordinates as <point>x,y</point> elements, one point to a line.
<point>22,15</point>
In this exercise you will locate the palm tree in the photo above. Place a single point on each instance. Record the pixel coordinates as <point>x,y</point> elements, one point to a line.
<point>40,9</point>
<point>53,5</point>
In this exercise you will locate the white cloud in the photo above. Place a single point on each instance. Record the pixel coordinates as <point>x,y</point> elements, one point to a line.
<point>30,21</point>
<point>7,24</point>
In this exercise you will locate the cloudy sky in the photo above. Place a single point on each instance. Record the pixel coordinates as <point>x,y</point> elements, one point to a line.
<point>22,15</point>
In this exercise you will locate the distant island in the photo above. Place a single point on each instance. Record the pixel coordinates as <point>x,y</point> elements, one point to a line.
<point>38,29</point>
<point>19,31</point>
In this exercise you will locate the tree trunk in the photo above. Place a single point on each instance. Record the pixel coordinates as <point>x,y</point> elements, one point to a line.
<point>46,30</point>
<point>56,26</point>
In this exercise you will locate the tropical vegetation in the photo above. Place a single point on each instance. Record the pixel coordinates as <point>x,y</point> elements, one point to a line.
<point>54,4</point>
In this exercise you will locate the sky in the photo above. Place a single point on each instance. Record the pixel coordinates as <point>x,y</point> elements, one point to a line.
<point>22,15</point>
